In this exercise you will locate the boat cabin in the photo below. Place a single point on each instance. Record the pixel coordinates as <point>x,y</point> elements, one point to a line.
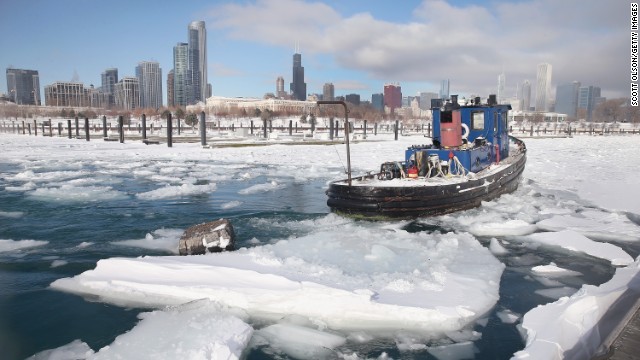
<point>466,138</point>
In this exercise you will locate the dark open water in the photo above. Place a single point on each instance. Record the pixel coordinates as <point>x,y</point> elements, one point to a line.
<point>34,318</point>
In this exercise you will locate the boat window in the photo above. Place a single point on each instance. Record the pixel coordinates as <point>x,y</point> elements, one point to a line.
<point>496,117</point>
<point>446,117</point>
<point>505,123</point>
<point>477,120</point>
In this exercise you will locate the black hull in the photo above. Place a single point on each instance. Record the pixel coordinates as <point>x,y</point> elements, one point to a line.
<point>409,202</point>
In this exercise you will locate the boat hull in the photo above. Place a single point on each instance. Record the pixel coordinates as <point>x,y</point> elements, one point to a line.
<point>416,201</point>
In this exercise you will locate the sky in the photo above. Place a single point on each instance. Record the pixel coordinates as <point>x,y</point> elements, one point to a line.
<point>357,45</point>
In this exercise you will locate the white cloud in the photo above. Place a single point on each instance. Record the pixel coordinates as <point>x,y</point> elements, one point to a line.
<point>470,45</point>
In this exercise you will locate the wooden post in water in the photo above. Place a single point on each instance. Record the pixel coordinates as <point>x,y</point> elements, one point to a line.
<point>69,128</point>
<point>169,131</point>
<point>365,129</point>
<point>290,127</point>
<point>86,129</point>
<point>35,128</point>
<point>395,130</point>
<point>24,128</point>
<point>264,126</point>
<point>144,127</point>
<point>104,127</point>
<point>43,134</point>
<point>179,126</point>
<point>29,124</point>
<point>121,129</point>
<point>251,127</point>
<point>50,132</point>
<point>77,128</point>
<point>330,129</point>
<point>59,129</point>
<point>203,129</point>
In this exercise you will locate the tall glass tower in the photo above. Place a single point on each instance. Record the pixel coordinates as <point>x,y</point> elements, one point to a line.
<point>444,89</point>
<point>298,87</point>
<point>197,62</point>
<point>543,87</point>
<point>149,77</point>
<point>24,86</point>
<point>181,81</point>
<point>109,81</point>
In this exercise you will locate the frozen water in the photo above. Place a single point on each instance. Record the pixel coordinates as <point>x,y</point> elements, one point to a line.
<point>75,350</point>
<point>553,271</point>
<point>161,239</point>
<point>300,342</point>
<point>445,277</point>
<point>12,245</point>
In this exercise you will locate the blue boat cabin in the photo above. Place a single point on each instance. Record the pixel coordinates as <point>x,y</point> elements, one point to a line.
<point>466,138</point>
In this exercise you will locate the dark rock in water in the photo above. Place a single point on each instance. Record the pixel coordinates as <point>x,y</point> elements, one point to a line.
<point>215,236</point>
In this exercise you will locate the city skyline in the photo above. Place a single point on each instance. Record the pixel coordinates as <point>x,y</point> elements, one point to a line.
<point>357,46</point>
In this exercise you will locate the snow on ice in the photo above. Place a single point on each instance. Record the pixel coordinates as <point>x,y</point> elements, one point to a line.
<point>346,276</point>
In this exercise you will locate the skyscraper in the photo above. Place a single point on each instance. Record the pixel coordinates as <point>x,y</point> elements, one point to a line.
<point>170,90</point>
<point>444,89</point>
<point>128,93</point>
<point>567,98</point>
<point>181,84</point>
<point>66,94</point>
<point>109,81</point>
<point>587,98</point>
<point>543,87</point>
<point>501,84</point>
<point>377,100</point>
<point>298,87</point>
<point>392,97</point>
<point>280,88</point>
<point>328,92</point>
<point>197,62</point>
<point>23,86</point>
<point>149,77</point>
<point>525,96</point>
<point>425,99</point>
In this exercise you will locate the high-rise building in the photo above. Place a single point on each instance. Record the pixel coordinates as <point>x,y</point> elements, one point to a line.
<point>425,99</point>
<point>23,86</point>
<point>149,77</point>
<point>298,87</point>
<point>209,91</point>
<point>377,100</point>
<point>71,94</point>
<point>588,97</point>
<point>170,90</point>
<point>567,98</point>
<point>525,96</point>
<point>280,93</point>
<point>444,89</point>
<point>353,99</point>
<point>109,81</point>
<point>181,83</point>
<point>543,87</point>
<point>328,92</point>
<point>197,62</point>
<point>502,97</point>
<point>392,97</point>
<point>128,93</point>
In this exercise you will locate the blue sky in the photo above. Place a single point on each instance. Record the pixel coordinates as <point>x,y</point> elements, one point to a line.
<point>358,45</point>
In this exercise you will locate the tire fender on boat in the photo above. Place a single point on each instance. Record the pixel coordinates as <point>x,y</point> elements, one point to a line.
<point>465,134</point>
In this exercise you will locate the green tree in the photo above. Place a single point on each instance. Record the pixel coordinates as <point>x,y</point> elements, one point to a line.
<point>179,113</point>
<point>191,119</point>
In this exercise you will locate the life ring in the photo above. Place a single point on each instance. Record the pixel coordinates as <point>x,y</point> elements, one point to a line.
<point>466,131</point>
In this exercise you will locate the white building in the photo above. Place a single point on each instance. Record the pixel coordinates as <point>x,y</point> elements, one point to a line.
<point>543,87</point>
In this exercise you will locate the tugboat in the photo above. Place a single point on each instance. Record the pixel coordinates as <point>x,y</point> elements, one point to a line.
<point>471,159</point>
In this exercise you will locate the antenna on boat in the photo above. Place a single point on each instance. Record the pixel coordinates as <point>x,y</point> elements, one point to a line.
<point>346,130</point>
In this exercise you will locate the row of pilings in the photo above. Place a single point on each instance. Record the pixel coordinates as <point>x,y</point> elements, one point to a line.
<point>79,129</point>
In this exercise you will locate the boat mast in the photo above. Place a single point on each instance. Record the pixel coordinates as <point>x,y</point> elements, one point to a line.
<point>346,130</point>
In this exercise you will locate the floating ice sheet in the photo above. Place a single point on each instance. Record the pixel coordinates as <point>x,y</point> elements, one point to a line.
<point>11,245</point>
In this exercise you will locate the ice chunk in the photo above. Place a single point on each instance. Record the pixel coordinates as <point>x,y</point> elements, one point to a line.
<point>508,316</point>
<point>161,239</point>
<point>458,351</point>
<point>230,205</point>
<point>76,349</point>
<point>553,271</point>
<point>70,193</point>
<point>497,248</point>
<point>504,228</point>
<point>301,342</point>
<point>11,214</point>
<point>556,292</point>
<point>573,241</point>
<point>596,225</point>
<point>270,186</point>
<point>193,331</point>
<point>11,245</point>
<point>169,191</point>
